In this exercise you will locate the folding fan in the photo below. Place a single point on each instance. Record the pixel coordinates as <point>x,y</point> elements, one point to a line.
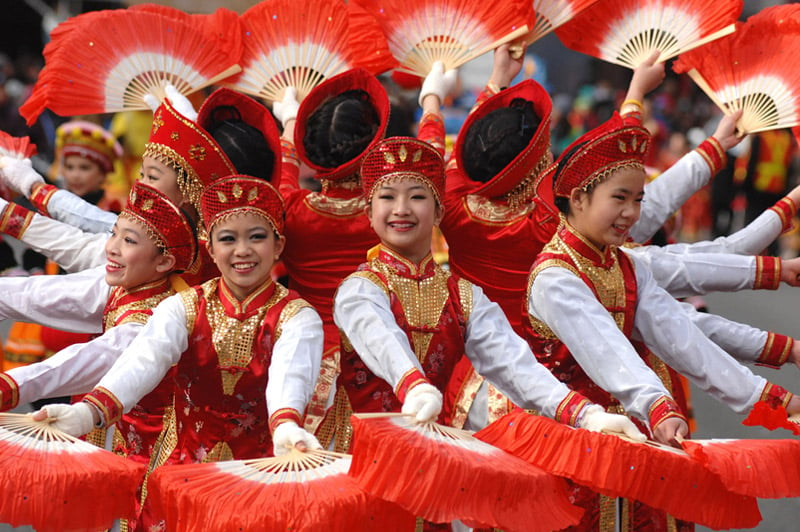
<point>54,482</point>
<point>752,70</point>
<point>288,45</point>
<point>421,32</point>
<point>758,468</point>
<point>370,49</point>
<point>298,491</point>
<point>626,32</point>
<point>659,476</point>
<point>771,418</point>
<point>107,61</point>
<point>551,14</point>
<point>442,474</point>
<point>17,147</point>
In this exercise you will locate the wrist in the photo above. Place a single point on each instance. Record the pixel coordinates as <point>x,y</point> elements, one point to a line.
<point>664,408</point>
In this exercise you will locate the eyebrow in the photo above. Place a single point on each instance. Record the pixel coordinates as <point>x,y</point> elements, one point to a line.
<point>412,187</point>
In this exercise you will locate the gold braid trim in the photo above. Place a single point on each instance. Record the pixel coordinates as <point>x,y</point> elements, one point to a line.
<point>539,327</point>
<point>465,297</point>
<point>526,189</point>
<point>289,311</point>
<point>190,300</point>
<point>373,278</point>
<point>189,182</point>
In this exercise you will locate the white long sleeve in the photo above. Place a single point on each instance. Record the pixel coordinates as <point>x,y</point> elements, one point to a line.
<point>69,247</point>
<point>75,369</point>
<point>687,274</point>
<point>666,193</point>
<point>70,209</point>
<point>362,310</point>
<point>741,341</point>
<point>73,302</point>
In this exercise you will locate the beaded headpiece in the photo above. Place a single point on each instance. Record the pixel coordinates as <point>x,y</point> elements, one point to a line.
<point>250,112</point>
<point>599,153</point>
<point>90,141</point>
<point>517,178</point>
<point>180,143</point>
<point>238,194</point>
<point>165,223</point>
<point>398,158</point>
<point>350,80</point>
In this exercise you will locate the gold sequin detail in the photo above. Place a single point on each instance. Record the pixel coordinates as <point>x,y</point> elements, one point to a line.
<point>336,207</point>
<point>342,412</point>
<point>233,338</point>
<point>190,301</point>
<point>221,452</point>
<point>539,327</point>
<point>289,311</point>
<point>135,307</point>
<point>660,368</point>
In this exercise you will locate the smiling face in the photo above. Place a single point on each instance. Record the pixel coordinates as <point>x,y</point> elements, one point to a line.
<point>402,213</point>
<point>82,176</point>
<point>244,247</point>
<point>605,214</point>
<point>132,258</point>
<point>162,178</point>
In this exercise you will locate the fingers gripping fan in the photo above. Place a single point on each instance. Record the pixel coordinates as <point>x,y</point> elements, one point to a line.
<point>626,32</point>
<point>109,63</point>
<point>421,32</point>
<point>753,70</point>
<point>286,44</point>
<point>659,476</point>
<point>54,482</point>
<point>441,474</point>
<point>297,491</point>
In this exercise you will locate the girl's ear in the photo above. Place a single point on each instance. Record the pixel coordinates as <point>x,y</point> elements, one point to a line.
<point>577,199</point>
<point>280,245</point>
<point>438,214</point>
<point>165,263</point>
<point>210,249</point>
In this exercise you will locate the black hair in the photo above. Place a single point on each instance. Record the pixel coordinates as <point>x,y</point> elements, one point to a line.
<point>340,129</point>
<point>496,139</point>
<point>244,144</point>
<point>561,203</point>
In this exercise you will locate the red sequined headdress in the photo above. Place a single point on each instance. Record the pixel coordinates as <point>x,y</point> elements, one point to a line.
<point>251,113</point>
<point>599,153</point>
<point>398,158</point>
<point>516,180</point>
<point>165,223</point>
<point>239,194</point>
<point>89,141</point>
<point>351,80</point>
<point>180,143</point>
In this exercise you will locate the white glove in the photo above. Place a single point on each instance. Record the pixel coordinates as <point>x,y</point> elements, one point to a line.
<point>596,419</point>
<point>288,434</point>
<point>438,82</point>
<point>424,401</point>
<point>152,102</point>
<point>181,103</point>
<point>76,420</point>
<point>19,174</point>
<point>286,109</point>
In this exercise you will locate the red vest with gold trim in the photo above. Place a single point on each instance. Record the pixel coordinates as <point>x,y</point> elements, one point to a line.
<point>428,304</point>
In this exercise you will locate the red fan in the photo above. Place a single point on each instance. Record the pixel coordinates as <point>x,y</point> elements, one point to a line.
<point>17,147</point>
<point>626,32</point>
<point>54,482</point>
<point>370,49</point>
<point>442,474</point>
<point>659,476</point>
<point>288,45</point>
<point>752,70</point>
<point>298,491</point>
<point>771,418</point>
<point>421,32</point>
<point>108,61</point>
<point>551,14</point>
<point>758,468</point>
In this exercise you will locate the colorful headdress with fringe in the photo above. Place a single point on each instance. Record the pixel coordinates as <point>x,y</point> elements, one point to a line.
<point>88,140</point>
<point>599,153</point>
<point>398,158</point>
<point>165,223</point>
<point>239,194</point>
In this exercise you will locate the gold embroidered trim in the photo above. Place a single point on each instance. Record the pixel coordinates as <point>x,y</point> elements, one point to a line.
<point>342,412</point>
<point>539,327</point>
<point>190,301</point>
<point>233,338</point>
<point>371,277</point>
<point>316,411</point>
<point>660,368</point>
<point>494,213</point>
<point>499,405</point>
<point>465,298</point>
<point>189,183</point>
<point>135,317</point>
<point>351,182</point>
<point>336,207</point>
<point>289,311</point>
<point>221,452</point>
<point>465,398</point>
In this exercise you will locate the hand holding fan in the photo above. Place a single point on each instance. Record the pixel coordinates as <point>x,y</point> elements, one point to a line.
<point>442,474</point>
<point>54,482</point>
<point>659,476</point>
<point>297,491</point>
<point>107,61</point>
<point>752,70</point>
<point>422,32</point>
<point>627,32</point>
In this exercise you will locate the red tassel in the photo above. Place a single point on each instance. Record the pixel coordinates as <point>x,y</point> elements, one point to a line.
<point>664,478</point>
<point>771,418</point>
